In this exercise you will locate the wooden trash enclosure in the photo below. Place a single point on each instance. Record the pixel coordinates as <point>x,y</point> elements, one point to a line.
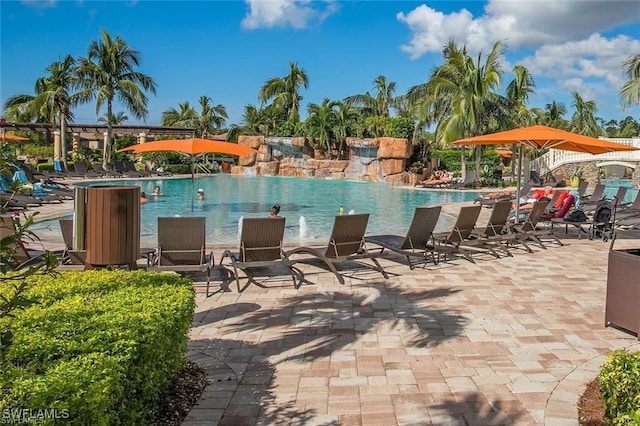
<point>112,225</point>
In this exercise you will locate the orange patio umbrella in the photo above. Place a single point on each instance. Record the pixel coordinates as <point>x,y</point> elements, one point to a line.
<point>12,137</point>
<point>192,148</point>
<point>540,137</point>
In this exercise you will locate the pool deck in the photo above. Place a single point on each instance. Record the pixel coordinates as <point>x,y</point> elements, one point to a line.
<point>499,342</point>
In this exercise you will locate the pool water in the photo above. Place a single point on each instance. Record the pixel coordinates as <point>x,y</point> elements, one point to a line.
<point>228,198</point>
<point>611,187</point>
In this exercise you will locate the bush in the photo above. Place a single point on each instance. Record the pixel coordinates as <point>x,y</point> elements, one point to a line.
<point>101,345</point>
<point>45,167</point>
<point>619,381</point>
<point>178,169</point>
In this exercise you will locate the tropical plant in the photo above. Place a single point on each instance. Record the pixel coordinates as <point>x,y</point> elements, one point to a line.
<point>285,91</point>
<point>583,120</point>
<point>466,94</point>
<point>55,95</point>
<point>345,121</point>
<point>552,115</point>
<point>377,105</point>
<point>518,92</point>
<point>117,119</point>
<point>109,73</point>
<point>630,90</point>
<point>321,122</point>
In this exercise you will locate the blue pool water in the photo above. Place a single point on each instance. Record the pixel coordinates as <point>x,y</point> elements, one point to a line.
<point>227,198</point>
<point>611,187</point>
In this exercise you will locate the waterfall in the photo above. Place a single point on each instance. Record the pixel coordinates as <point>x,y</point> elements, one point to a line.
<point>303,233</point>
<point>240,226</point>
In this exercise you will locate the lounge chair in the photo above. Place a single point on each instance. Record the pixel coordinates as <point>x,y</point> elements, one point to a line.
<point>416,242</point>
<point>629,209</point>
<point>81,167</point>
<point>450,242</point>
<point>182,246</point>
<point>104,172</point>
<point>528,229</point>
<point>618,199</point>
<point>345,244</point>
<point>470,181</point>
<point>260,246</point>
<point>494,233</point>
<point>123,168</point>
<point>439,179</point>
<point>22,257</point>
<point>595,196</point>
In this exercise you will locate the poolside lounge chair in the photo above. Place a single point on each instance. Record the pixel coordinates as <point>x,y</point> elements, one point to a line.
<point>450,242</point>
<point>528,229</point>
<point>629,209</point>
<point>260,246</point>
<point>346,243</point>
<point>81,167</point>
<point>617,199</point>
<point>495,232</point>
<point>470,181</point>
<point>182,246</point>
<point>439,179</point>
<point>416,242</point>
<point>595,196</point>
<point>21,256</point>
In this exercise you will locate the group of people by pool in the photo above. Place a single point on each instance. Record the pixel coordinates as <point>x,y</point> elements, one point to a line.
<point>155,193</point>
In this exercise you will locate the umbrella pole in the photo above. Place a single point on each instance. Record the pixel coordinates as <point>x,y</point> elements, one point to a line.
<point>518,184</point>
<point>193,168</point>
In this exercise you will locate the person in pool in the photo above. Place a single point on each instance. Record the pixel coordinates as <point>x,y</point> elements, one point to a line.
<point>156,191</point>
<point>275,211</point>
<point>143,198</point>
<point>200,194</point>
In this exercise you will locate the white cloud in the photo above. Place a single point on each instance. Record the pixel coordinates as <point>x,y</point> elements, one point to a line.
<point>281,13</point>
<point>527,24</point>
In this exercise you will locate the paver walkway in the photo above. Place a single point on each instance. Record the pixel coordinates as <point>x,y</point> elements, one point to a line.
<point>503,341</point>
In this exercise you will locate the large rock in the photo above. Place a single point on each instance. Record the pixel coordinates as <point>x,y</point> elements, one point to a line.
<point>247,160</point>
<point>268,169</point>
<point>362,142</point>
<point>246,171</point>
<point>394,148</point>
<point>397,178</point>
<point>263,153</point>
<point>391,166</point>
<point>251,141</point>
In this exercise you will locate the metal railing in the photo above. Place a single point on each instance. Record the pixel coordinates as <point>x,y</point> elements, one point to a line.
<point>556,157</point>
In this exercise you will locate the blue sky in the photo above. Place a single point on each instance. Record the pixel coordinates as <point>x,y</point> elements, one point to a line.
<point>228,49</point>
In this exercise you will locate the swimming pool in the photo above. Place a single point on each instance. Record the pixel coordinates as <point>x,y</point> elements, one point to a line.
<point>229,197</point>
<point>611,187</point>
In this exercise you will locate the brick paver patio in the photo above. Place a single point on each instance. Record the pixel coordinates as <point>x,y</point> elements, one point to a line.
<point>503,341</point>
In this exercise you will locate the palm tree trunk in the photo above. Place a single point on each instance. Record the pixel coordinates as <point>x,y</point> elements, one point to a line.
<point>63,138</point>
<point>106,154</point>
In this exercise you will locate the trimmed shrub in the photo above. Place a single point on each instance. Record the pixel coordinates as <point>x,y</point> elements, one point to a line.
<point>179,169</point>
<point>619,381</point>
<point>101,345</point>
<point>45,167</point>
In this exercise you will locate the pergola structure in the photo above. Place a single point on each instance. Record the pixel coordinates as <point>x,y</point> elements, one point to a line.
<point>93,131</point>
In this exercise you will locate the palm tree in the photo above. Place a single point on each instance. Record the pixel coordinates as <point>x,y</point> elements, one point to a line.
<point>378,105</point>
<point>285,91</point>
<point>630,91</point>
<point>53,100</point>
<point>345,119</point>
<point>466,92</point>
<point>109,72</point>
<point>117,119</point>
<point>253,119</point>
<point>518,92</point>
<point>184,116</point>
<point>211,117</point>
<point>583,120</point>
<point>321,121</point>
<point>552,115</point>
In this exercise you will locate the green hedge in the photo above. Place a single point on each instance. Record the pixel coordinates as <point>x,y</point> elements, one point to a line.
<point>619,381</point>
<point>101,345</point>
<point>178,169</point>
<point>45,167</point>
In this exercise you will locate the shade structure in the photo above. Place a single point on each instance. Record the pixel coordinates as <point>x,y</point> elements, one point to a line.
<point>192,148</point>
<point>541,137</point>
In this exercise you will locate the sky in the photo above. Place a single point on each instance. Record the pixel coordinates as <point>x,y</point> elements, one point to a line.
<point>227,50</point>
